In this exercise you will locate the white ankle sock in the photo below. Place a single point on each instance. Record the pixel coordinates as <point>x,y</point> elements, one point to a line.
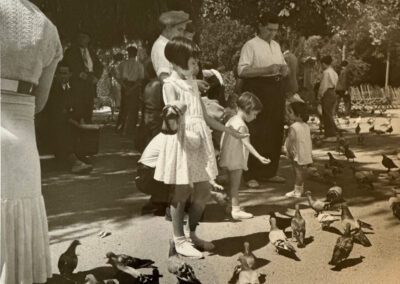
<point>235,208</point>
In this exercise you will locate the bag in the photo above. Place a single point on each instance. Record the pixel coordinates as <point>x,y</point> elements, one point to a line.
<point>170,119</point>
<point>87,142</point>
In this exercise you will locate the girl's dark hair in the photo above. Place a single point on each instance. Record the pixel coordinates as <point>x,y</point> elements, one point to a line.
<point>248,102</point>
<point>300,109</point>
<point>179,50</point>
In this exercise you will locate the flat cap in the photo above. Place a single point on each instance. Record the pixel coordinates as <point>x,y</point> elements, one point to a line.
<point>173,18</point>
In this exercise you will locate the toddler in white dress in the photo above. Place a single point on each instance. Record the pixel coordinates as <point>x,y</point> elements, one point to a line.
<point>235,152</point>
<point>298,145</point>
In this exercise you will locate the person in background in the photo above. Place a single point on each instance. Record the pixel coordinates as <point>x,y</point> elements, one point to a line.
<point>30,52</point>
<point>263,68</point>
<point>60,110</point>
<point>343,88</point>
<point>290,82</point>
<point>86,71</point>
<point>130,74</point>
<point>327,98</point>
<point>298,145</point>
<point>115,86</point>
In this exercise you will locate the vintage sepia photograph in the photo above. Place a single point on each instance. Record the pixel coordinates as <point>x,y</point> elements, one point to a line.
<point>200,141</point>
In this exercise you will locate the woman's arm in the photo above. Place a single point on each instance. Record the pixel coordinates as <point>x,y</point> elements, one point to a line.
<point>214,124</point>
<point>169,94</point>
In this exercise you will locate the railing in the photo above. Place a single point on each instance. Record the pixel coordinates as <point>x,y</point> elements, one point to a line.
<point>375,96</point>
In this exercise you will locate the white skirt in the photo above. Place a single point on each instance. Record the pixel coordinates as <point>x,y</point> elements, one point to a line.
<point>25,251</point>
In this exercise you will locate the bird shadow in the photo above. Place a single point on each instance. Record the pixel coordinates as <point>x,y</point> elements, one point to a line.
<point>308,240</point>
<point>101,273</point>
<point>332,230</point>
<point>289,254</point>
<point>232,245</point>
<point>261,262</point>
<point>350,262</point>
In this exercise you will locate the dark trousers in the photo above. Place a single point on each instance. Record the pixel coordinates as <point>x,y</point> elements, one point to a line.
<point>266,131</point>
<point>145,182</point>
<point>346,100</point>
<point>64,137</point>
<point>85,92</point>
<point>328,111</point>
<point>132,109</point>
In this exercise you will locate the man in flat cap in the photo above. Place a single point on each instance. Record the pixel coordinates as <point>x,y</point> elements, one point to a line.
<point>174,23</point>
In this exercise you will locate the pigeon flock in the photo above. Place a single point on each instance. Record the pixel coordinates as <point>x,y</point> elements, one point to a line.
<point>353,231</point>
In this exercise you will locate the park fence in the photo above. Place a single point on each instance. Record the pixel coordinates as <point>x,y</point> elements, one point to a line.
<point>375,96</point>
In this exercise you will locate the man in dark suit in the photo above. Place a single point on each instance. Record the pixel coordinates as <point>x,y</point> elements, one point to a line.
<point>60,111</point>
<point>86,71</point>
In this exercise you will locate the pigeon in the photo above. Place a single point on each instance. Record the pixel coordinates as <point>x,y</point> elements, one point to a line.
<point>358,129</point>
<point>388,163</point>
<point>379,132</point>
<point>131,261</point>
<point>68,261</point>
<point>131,272</point>
<point>371,121</point>
<point>334,195</point>
<point>372,129</point>
<point>349,154</point>
<point>347,218</point>
<point>183,271</point>
<point>360,238</point>
<point>247,259</point>
<point>343,247</point>
<point>326,220</point>
<point>394,203</point>
<point>389,129</point>
<point>317,205</point>
<point>281,222</point>
<point>299,227</point>
<point>278,238</point>
<point>333,162</point>
<point>364,178</point>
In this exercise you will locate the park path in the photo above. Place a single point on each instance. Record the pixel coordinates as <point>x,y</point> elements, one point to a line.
<point>79,207</point>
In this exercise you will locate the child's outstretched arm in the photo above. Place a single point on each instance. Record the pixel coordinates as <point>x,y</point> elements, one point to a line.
<point>253,151</point>
<point>290,140</point>
<point>215,124</point>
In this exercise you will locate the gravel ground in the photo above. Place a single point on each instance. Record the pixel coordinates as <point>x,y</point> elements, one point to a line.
<point>79,207</point>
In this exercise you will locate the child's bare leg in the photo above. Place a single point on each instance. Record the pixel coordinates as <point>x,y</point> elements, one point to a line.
<point>200,197</point>
<point>299,175</point>
<point>235,178</point>
<point>180,196</point>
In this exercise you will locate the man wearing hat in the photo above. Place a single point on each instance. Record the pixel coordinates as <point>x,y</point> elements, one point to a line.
<point>86,70</point>
<point>174,23</point>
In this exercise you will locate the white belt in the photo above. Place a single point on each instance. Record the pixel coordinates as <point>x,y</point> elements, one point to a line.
<point>16,86</point>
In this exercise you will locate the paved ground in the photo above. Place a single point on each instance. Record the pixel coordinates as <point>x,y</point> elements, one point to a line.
<point>79,207</point>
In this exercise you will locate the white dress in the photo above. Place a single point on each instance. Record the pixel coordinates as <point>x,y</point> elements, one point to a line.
<point>299,144</point>
<point>188,156</point>
<point>30,52</point>
<point>234,155</point>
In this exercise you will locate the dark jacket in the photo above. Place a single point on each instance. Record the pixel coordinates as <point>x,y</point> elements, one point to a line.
<point>73,57</point>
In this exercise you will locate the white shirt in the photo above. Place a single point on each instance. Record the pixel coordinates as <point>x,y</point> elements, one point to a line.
<point>298,143</point>
<point>329,80</point>
<point>259,53</point>
<point>131,70</point>
<point>160,62</point>
<point>87,59</point>
<point>152,151</point>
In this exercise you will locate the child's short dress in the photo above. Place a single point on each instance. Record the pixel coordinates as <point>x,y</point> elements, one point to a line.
<point>234,154</point>
<point>188,156</point>
<point>299,143</point>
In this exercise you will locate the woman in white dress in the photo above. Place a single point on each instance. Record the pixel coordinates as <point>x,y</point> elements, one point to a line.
<point>30,51</point>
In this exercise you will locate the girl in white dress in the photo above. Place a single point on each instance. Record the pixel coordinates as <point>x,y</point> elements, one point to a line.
<point>298,145</point>
<point>187,158</point>
<point>235,152</point>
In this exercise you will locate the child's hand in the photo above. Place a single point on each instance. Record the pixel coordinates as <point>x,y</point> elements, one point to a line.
<point>264,160</point>
<point>236,133</point>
